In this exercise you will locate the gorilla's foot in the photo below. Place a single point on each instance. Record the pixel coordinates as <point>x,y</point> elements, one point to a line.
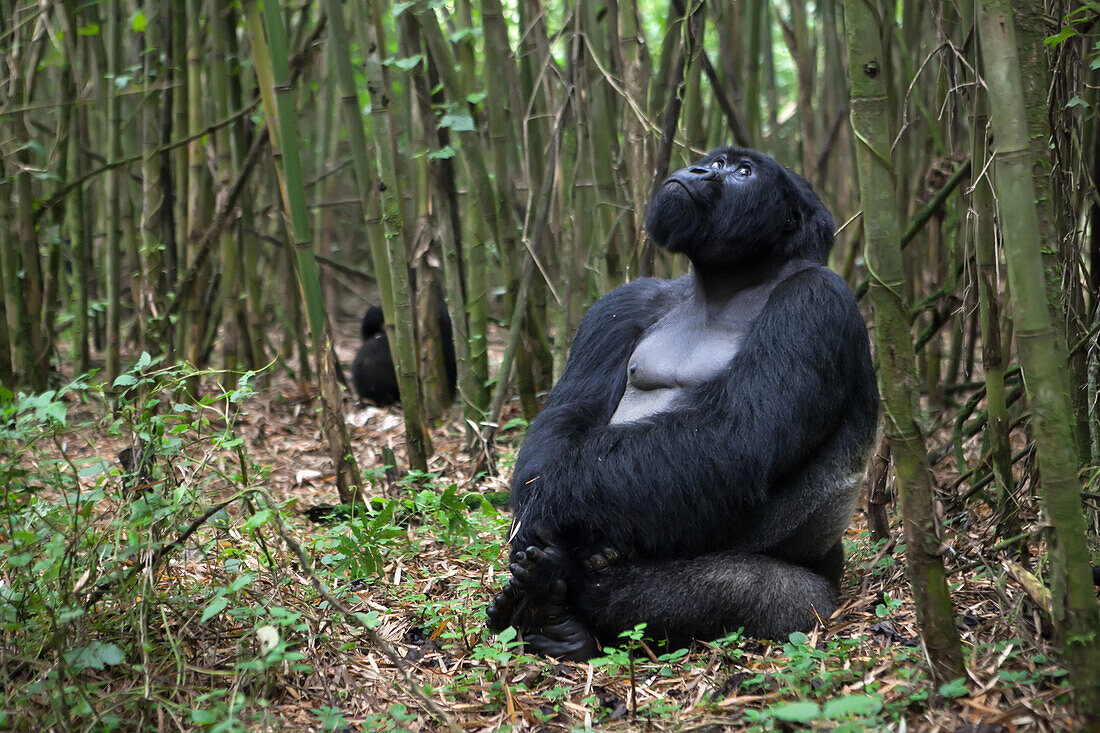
<point>537,570</point>
<point>534,572</point>
<point>502,612</point>
<point>554,631</point>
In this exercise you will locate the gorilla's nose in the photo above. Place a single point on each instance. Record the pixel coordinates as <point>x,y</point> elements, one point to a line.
<point>704,172</point>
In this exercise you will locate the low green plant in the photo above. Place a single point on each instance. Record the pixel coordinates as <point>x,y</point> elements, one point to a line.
<point>84,539</point>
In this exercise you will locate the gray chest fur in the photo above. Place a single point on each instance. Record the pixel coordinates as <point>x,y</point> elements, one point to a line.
<point>691,344</point>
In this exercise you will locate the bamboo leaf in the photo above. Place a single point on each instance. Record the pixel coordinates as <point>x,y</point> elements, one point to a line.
<point>458,121</point>
<point>1060,37</point>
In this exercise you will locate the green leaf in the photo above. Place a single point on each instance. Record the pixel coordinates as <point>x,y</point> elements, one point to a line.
<point>96,655</point>
<point>798,638</point>
<point>138,22</point>
<point>461,33</point>
<point>56,411</point>
<point>954,688</point>
<point>1061,37</point>
<point>215,607</point>
<point>258,519</point>
<point>1076,101</point>
<point>409,63</point>
<point>459,122</point>
<point>92,29</point>
<point>851,705</point>
<point>204,717</point>
<point>796,712</point>
<point>93,469</point>
<point>125,380</point>
<point>445,152</point>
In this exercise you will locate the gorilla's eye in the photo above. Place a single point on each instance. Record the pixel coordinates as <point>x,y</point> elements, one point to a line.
<point>718,164</point>
<point>744,170</point>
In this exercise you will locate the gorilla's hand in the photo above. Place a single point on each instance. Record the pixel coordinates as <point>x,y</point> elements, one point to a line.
<point>603,558</point>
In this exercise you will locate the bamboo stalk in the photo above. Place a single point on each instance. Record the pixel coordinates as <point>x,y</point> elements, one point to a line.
<point>993,356</point>
<point>273,73</point>
<point>399,317</point>
<point>114,183</point>
<point>897,371</point>
<point>1043,359</point>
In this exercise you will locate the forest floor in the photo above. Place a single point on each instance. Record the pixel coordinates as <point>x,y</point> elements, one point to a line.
<point>225,628</point>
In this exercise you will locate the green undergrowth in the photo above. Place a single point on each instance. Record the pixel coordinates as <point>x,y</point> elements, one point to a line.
<point>165,591</point>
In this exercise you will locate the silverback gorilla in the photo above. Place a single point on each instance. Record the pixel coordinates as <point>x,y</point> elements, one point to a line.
<point>698,461</point>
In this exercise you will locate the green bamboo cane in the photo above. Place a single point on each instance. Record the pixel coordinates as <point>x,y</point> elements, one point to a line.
<point>273,73</point>
<point>1032,27</point>
<point>444,219</point>
<point>191,325</point>
<point>1043,359</point>
<point>754,18</point>
<point>357,142</point>
<point>113,183</point>
<point>228,162</point>
<point>475,157</point>
<point>637,142</point>
<point>505,114</point>
<point>897,371</point>
<point>993,356</point>
<point>604,118</point>
<point>399,321</point>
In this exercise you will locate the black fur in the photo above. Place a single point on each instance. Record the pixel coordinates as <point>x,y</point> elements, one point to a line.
<point>729,509</point>
<point>373,373</point>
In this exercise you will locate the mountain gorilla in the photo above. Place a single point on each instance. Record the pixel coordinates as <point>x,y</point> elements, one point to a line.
<point>698,461</point>
<point>373,373</point>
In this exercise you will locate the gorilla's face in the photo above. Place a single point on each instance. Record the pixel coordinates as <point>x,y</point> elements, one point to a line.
<point>736,206</point>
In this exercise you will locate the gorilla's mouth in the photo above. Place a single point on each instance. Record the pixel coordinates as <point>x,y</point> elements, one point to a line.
<point>678,182</point>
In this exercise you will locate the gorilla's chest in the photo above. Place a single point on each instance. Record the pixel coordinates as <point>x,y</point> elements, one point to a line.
<point>687,347</point>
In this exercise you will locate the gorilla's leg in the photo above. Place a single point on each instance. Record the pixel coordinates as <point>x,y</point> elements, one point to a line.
<point>704,598</point>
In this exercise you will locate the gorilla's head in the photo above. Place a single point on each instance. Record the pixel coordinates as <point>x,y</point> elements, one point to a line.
<point>737,206</point>
<point>372,322</point>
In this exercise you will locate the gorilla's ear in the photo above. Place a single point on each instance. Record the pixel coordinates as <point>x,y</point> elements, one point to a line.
<point>810,223</point>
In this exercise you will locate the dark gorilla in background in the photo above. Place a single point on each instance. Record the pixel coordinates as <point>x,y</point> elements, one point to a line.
<point>698,461</point>
<point>373,373</point>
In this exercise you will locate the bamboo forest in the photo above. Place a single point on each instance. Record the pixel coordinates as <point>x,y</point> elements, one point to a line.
<point>350,381</point>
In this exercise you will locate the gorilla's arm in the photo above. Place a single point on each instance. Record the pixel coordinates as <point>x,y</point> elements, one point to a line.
<point>669,484</point>
<point>594,378</point>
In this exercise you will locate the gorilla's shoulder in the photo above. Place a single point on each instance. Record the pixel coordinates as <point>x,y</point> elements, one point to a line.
<point>820,280</point>
<point>635,301</point>
<point>818,299</point>
<point>644,290</point>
